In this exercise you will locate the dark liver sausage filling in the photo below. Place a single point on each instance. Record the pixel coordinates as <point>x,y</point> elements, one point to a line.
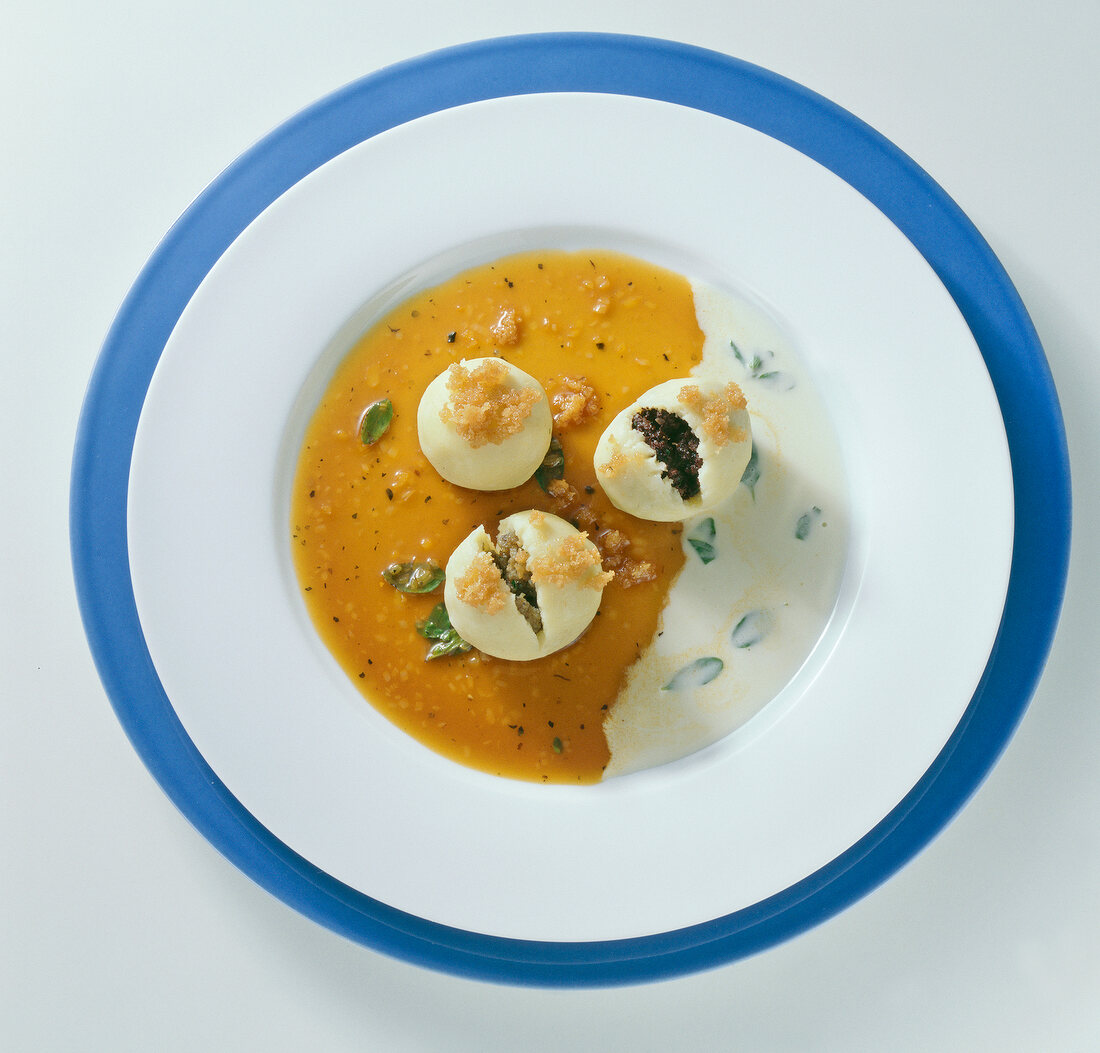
<point>512,561</point>
<point>675,445</point>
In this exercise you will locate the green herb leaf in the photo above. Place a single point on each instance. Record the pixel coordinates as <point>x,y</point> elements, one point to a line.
<point>756,367</point>
<point>556,744</point>
<point>751,476</point>
<point>695,674</point>
<point>751,629</point>
<point>416,577</point>
<point>437,626</point>
<point>450,644</point>
<point>552,467</point>
<point>375,421</point>
<point>702,540</point>
<point>775,379</point>
<point>806,522</point>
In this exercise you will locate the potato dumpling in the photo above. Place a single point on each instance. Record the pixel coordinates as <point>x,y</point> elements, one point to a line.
<point>528,594</point>
<point>679,450</point>
<point>484,424</point>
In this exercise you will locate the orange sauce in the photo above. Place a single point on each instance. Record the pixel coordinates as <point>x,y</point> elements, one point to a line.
<point>621,324</point>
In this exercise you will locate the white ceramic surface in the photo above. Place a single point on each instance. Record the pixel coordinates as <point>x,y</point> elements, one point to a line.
<point>274,716</point>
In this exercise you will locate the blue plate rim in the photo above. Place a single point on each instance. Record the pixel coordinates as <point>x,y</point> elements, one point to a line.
<point>576,62</point>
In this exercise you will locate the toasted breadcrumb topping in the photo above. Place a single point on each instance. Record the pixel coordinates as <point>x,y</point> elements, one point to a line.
<point>716,411</point>
<point>575,402</point>
<point>627,570</point>
<point>573,560</point>
<point>635,572</point>
<point>505,330</point>
<point>614,542</point>
<point>484,407</point>
<point>481,585</point>
<point>615,463</point>
<point>568,505</point>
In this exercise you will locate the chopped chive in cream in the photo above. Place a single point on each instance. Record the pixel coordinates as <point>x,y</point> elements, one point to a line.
<point>806,523</point>
<point>695,674</point>
<point>701,539</point>
<point>751,629</point>
<point>751,476</point>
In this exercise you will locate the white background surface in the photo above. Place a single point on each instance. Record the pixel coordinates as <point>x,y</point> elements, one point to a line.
<point>124,930</point>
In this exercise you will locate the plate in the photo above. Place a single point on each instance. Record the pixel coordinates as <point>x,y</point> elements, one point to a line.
<point>700,162</point>
<point>219,604</point>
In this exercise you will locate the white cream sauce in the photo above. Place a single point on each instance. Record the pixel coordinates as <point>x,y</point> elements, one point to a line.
<point>762,572</point>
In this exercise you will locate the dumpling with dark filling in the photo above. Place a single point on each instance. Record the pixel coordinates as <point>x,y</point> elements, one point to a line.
<point>529,593</point>
<point>677,451</point>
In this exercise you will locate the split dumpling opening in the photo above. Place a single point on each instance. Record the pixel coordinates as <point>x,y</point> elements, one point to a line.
<point>677,451</point>
<point>529,593</point>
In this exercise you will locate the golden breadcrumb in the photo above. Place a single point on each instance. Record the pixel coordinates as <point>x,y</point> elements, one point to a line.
<point>613,542</point>
<point>716,411</point>
<point>572,560</point>
<point>635,572</point>
<point>627,570</point>
<point>562,491</point>
<point>484,407</point>
<point>568,504</point>
<point>584,518</point>
<point>505,330</point>
<point>575,402</point>
<point>615,463</point>
<point>481,585</point>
